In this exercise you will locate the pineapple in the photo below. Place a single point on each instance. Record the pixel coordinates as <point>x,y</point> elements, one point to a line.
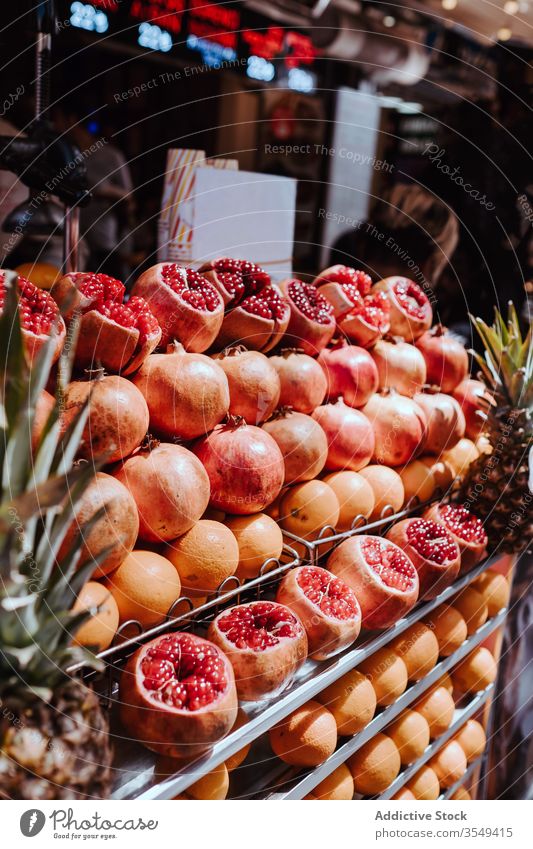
<point>53,732</point>
<point>498,486</point>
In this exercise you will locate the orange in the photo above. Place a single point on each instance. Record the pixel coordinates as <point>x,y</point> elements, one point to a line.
<point>410,732</point>
<point>41,274</point>
<point>355,495</point>
<point>449,628</point>
<point>437,707</point>
<point>444,681</point>
<point>472,739</point>
<point>461,795</point>
<point>460,456</point>
<point>424,785</point>
<point>403,795</point>
<point>442,472</point>
<point>306,737</point>
<point>213,786</point>
<point>144,587</point>
<point>387,673</point>
<point>236,760</point>
<point>495,589</point>
<point>259,538</point>
<point>387,486</point>
<point>307,507</point>
<point>475,672</point>
<point>375,765</point>
<point>204,557</point>
<point>471,605</point>
<point>351,700</point>
<point>449,764</point>
<point>418,480</point>
<point>98,631</point>
<point>336,787</point>
<point>419,649</point>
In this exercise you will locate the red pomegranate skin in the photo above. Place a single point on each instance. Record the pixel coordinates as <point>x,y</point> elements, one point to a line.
<point>445,421</point>
<point>43,408</point>
<point>254,386</point>
<point>302,379</point>
<point>435,571</point>
<point>165,729</point>
<point>410,313</point>
<point>400,366</point>
<point>303,444</point>
<point>399,427</point>
<point>351,441</point>
<point>472,550</point>
<point>312,324</point>
<point>446,358</point>
<point>467,394</point>
<point>327,633</point>
<point>351,374</point>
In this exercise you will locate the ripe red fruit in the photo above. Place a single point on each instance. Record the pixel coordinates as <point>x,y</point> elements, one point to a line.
<point>326,606</point>
<point>465,528</point>
<point>432,550</point>
<point>39,318</point>
<point>410,310</point>
<point>265,643</point>
<point>473,399</point>
<point>303,382</point>
<point>399,427</point>
<point>351,374</point>
<point>381,575</point>
<point>187,306</point>
<point>312,323</point>
<point>400,366</point>
<point>445,421</point>
<point>302,442</point>
<point>349,434</point>
<point>177,695</point>
<point>445,356</point>
<point>362,316</point>
<point>235,279</point>
<point>254,386</point>
<point>43,408</point>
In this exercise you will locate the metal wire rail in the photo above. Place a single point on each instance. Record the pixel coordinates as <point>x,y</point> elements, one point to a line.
<point>470,770</point>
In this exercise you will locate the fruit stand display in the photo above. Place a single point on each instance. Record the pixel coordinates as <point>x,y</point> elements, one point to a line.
<point>274,550</point>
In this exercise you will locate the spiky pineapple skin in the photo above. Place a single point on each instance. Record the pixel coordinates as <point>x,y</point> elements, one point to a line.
<point>57,750</point>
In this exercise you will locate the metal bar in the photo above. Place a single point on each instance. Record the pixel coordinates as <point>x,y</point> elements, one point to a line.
<point>464,778</point>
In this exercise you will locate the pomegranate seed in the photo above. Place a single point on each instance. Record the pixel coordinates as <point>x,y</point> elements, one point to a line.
<point>410,297</point>
<point>310,302</point>
<point>240,277</point>
<point>258,625</point>
<point>193,287</point>
<point>389,563</point>
<point>37,308</point>
<point>156,672</point>
<point>99,287</point>
<point>463,523</point>
<point>330,594</point>
<point>183,672</point>
<point>431,540</point>
<point>357,281</point>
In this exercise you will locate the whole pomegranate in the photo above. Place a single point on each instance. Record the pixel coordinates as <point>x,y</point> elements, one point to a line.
<point>410,310</point>
<point>312,323</point>
<point>302,380</point>
<point>187,394</point>
<point>362,316</point>
<point>302,442</point>
<point>254,386</point>
<point>400,366</point>
<point>350,436</point>
<point>445,356</point>
<point>474,400</point>
<point>399,427</point>
<point>445,421</point>
<point>432,550</point>
<point>169,486</point>
<point>351,374</point>
<point>244,465</point>
<point>44,405</point>
<point>39,318</point>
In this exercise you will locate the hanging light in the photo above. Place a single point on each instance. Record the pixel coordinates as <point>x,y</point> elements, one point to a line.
<point>449,4</point>
<point>389,21</point>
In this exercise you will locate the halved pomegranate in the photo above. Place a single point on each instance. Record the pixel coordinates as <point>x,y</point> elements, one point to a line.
<point>177,695</point>
<point>265,643</point>
<point>258,322</point>
<point>410,310</point>
<point>465,528</point>
<point>381,575</point>
<point>312,323</point>
<point>351,373</point>
<point>432,550</point>
<point>362,316</point>
<point>327,607</point>
<point>235,279</point>
<point>39,318</point>
<point>187,306</point>
<point>113,334</point>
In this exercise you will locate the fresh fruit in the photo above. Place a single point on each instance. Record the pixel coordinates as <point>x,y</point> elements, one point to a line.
<point>375,765</point>
<point>471,605</point>
<point>381,575</point>
<point>475,672</point>
<point>410,733</point>
<point>254,385</point>
<point>431,549</point>
<point>483,445</point>
<point>350,372</point>
<point>449,764</point>
<point>39,318</point>
<point>144,586</point>
<point>337,786</point>
<point>399,427</point>
<point>302,442</point>
<point>387,487</point>
<point>352,701</point>
<point>445,356</point>
<point>355,496</point>
<point>244,465</point>
<point>437,707</point>
<point>235,279</point>
<point>446,682</point>
<point>302,379</point>
<point>115,531</point>
<point>213,786</point>
<point>449,628</point>
<point>362,316</point>
<point>403,795</point>
<point>112,334</point>
<point>441,471</point>
<point>258,322</point>
<point>307,737</point>
<point>495,590</point>
<point>41,274</point>
<point>312,323</point>
<point>472,739</point>
<point>387,673</point>
<point>308,507</point>
<point>97,632</point>
<point>410,310</point>
<point>445,421</point>
<point>424,785</point>
<point>326,607</point>
<point>259,539</point>
<point>419,649</point>
<point>187,306</point>
<point>418,481</point>
<point>400,366</point>
<point>460,457</point>
<point>170,487</point>
<point>44,405</point>
<point>265,643</point>
<point>204,557</point>
<point>349,436</point>
<point>177,695</point>
<point>187,394</point>
<point>118,416</point>
<point>465,528</point>
<point>234,761</point>
<point>471,396</point>
<point>461,795</point>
